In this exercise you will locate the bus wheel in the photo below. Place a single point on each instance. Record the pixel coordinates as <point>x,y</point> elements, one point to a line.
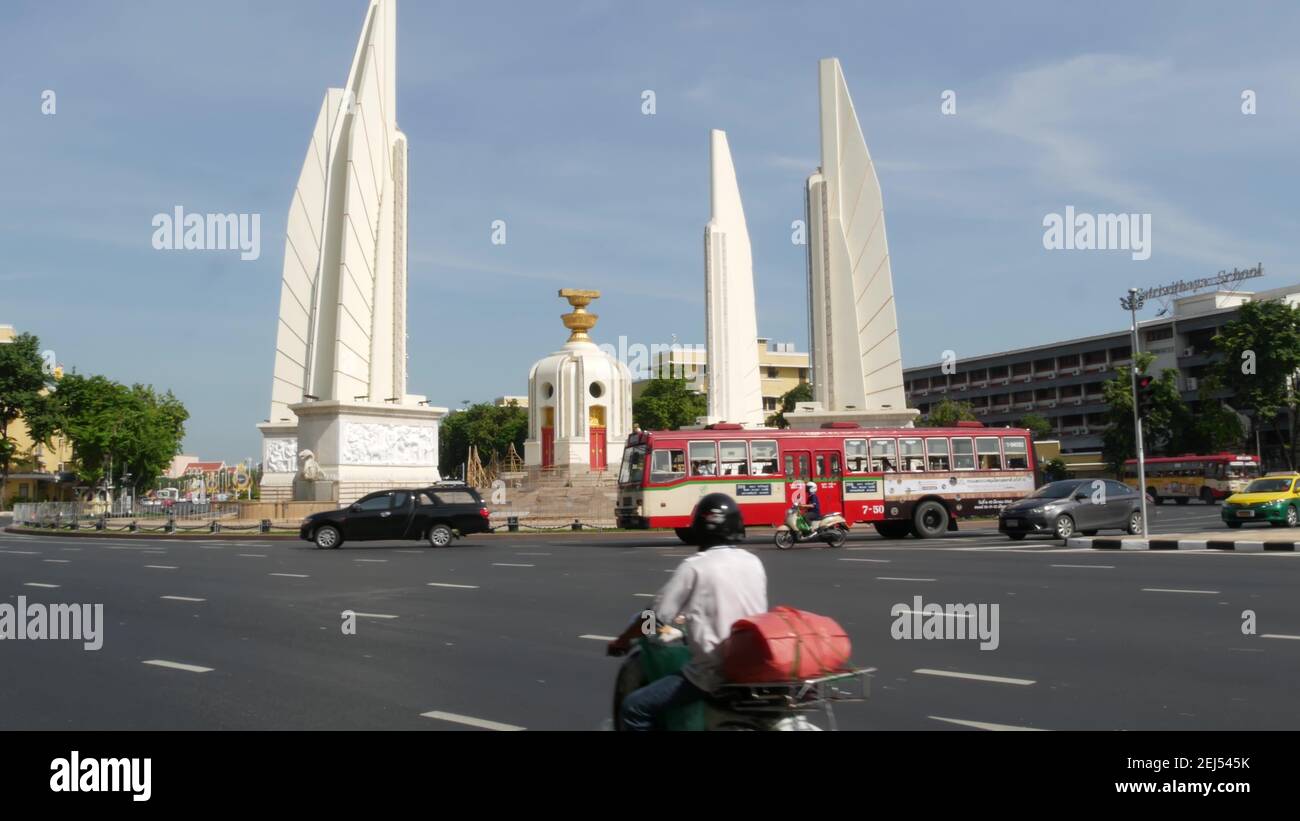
<point>1207,496</point>
<point>893,530</point>
<point>684,533</point>
<point>930,520</point>
<point>1182,500</point>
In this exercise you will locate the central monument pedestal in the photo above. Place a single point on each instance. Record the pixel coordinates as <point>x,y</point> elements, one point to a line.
<point>339,451</point>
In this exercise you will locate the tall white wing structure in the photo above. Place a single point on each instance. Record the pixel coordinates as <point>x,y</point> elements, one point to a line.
<point>735,390</point>
<point>342,330</point>
<point>338,396</point>
<point>857,359</point>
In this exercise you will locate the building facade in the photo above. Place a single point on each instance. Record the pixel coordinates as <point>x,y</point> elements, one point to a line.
<point>38,472</point>
<point>1063,381</point>
<point>781,369</point>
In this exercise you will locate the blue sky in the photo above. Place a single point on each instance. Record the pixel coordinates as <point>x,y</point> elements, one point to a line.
<point>531,113</point>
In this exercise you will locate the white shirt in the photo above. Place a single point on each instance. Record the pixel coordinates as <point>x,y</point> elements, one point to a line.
<point>712,590</point>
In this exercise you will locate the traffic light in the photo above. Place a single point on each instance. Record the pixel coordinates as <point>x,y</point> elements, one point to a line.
<point>1146,389</point>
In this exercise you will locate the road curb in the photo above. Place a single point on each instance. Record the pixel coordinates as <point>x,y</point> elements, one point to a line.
<point>1175,543</point>
<point>223,536</point>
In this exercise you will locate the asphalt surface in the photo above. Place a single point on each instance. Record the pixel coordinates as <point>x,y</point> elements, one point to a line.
<point>506,630</point>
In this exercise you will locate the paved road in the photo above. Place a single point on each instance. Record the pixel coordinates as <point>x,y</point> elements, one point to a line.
<point>496,630</point>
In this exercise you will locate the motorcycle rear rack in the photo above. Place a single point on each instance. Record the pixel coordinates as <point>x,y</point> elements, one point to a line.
<point>808,695</point>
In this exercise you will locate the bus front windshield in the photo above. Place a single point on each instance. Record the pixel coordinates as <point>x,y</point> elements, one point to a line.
<point>633,469</point>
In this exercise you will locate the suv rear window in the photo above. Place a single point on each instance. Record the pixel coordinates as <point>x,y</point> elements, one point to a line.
<point>455,497</point>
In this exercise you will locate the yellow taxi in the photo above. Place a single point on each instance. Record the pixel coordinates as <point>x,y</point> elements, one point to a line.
<point>1275,499</point>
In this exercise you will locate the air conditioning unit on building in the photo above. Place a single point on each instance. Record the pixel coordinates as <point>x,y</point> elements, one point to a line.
<point>1192,383</point>
<point>1051,404</point>
<point>961,387</point>
<point>1189,352</point>
<point>1028,379</point>
<point>1078,401</point>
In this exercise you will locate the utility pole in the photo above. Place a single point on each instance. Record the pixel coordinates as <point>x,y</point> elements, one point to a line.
<point>1133,303</point>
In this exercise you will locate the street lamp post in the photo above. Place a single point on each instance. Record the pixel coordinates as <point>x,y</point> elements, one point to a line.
<point>1133,303</point>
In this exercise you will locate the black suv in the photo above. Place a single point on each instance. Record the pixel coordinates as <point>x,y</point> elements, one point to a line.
<point>439,513</point>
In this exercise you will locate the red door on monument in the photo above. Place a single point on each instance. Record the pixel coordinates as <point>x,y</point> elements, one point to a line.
<point>548,447</point>
<point>597,456</point>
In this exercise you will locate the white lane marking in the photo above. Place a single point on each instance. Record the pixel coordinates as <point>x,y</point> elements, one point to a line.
<point>1279,636</point>
<point>644,595</point>
<point>373,615</point>
<point>21,552</point>
<point>408,551</point>
<point>879,561</point>
<point>69,548</point>
<point>457,586</point>
<point>1087,566</point>
<point>57,561</point>
<point>985,725</point>
<point>40,584</point>
<point>373,561</point>
<point>160,567</point>
<point>597,638</point>
<point>532,554</point>
<point>180,598</point>
<point>994,547</point>
<point>900,579</point>
<point>292,575</point>
<point>923,613</point>
<point>252,555</point>
<point>481,723</point>
<point>1173,590</point>
<point>1023,682</point>
<point>507,564</point>
<point>176,665</point>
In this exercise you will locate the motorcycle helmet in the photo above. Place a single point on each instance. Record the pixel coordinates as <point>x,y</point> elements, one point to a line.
<point>812,488</point>
<point>716,521</point>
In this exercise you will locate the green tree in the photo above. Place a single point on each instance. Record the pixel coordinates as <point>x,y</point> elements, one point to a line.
<point>115,430</point>
<point>1038,426</point>
<point>490,428</point>
<point>799,393</point>
<point>1211,427</point>
<point>1168,413</point>
<point>1261,350</point>
<point>1055,470</point>
<point>23,381</point>
<point>946,414</point>
<point>668,404</point>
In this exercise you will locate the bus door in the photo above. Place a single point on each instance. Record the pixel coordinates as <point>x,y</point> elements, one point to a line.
<point>798,472</point>
<point>827,474</point>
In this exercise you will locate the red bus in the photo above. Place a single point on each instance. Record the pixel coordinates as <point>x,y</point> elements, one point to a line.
<point>901,480</point>
<point>1183,478</point>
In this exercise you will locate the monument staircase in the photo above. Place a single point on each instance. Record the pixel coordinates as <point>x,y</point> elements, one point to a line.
<point>555,497</point>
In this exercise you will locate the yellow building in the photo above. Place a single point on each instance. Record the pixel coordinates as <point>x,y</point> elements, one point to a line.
<point>782,369</point>
<point>37,473</point>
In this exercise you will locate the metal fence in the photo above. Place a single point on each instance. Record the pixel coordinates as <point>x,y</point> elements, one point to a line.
<point>133,516</point>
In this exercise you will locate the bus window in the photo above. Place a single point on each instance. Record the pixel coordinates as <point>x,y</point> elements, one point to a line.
<point>762,453</point>
<point>912,454</point>
<point>667,465</point>
<point>734,460</point>
<point>789,466</point>
<point>1017,453</point>
<point>883,457</point>
<point>989,453</point>
<point>835,466</point>
<point>821,466</point>
<point>855,455</point>
<point>704,459</point>
<point>633,467</point>
<point>963,454</point>
<point>938,451</point>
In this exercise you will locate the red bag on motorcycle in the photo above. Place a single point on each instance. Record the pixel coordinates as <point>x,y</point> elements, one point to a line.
<point>784,644</point>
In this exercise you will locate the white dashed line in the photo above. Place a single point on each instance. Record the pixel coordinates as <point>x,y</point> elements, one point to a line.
<point>252,555</point>
<point>160,567</point>
<point>507,564</point>
<point>598,638</point>
<point>922,613</point>
<point>644,595</point>
<point>21,552</point>
<point>372,561</point>
<point>292,575</point>
<point>1087,566</point>
<point>985,725</point>
<point>176,665</point>
<point>1279,636</point>
<point>181,598</point>
<point>457,586</point>
<point>40,584</point>
<point>900,579</point>
<point>879,561</point>
<point>373,616</point>
<point>57,561</point>
<point>481,723</point>
<point>1172,590</point>
<point>1023,682</point>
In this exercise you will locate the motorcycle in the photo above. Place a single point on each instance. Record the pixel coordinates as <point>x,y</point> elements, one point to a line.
<point>833,529</point>
<point>783,706</point>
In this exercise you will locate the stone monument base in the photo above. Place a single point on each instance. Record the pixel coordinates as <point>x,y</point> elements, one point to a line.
<point>358,448</point>
<point>810,415</point>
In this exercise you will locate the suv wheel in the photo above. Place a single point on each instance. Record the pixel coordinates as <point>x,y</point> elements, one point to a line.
<point>327,537</point>
<point>1064,526</point>
<point>1134,523</point>
<point>440,535</point>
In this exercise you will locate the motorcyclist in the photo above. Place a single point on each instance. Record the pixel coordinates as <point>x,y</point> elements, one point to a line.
<point>707,593</point>
<point>812,508</point>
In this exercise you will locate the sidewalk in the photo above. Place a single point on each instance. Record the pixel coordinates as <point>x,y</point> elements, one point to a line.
<point>1245,540</point>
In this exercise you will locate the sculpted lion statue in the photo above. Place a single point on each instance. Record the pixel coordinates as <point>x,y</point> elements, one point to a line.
<point>309,468</point>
